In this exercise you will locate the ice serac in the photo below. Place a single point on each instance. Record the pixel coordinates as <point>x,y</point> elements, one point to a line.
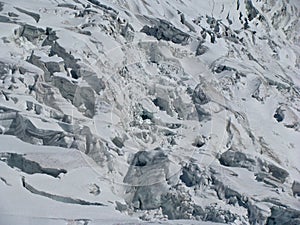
<point>147,177</point>
<point>164,30</point>
<point>159,110</point>
<point>236,159</point>
<point>28,166</point>
<point>296,188</point>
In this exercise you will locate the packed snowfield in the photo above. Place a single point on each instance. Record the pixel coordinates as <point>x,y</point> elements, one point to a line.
<point>147,112</point>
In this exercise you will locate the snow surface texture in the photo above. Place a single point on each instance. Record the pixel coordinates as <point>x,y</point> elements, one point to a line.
<point>169,111</point>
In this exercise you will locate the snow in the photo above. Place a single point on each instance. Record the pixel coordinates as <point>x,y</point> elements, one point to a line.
<point>116,92</point>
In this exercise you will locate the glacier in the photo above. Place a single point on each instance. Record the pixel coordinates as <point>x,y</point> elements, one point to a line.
<point>149,112</point>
